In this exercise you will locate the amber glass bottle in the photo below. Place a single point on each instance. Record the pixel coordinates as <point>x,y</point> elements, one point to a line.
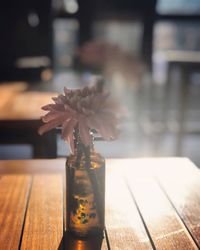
<point>85,188</point>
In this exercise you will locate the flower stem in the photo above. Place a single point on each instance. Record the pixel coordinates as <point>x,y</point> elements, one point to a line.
<point>82,149</point>
<point>94,182</point>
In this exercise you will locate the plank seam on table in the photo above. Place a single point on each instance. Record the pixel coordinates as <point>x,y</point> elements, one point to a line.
<point>107,240</point>
<point>26,209</point>
<point>64,213</point>
<point>141,217</point>
<point>179,215</point>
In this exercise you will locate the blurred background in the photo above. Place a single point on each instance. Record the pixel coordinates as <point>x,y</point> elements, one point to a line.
<point>148,53</point>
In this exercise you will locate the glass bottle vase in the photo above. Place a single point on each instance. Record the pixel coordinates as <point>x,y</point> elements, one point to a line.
<point>85,189</point>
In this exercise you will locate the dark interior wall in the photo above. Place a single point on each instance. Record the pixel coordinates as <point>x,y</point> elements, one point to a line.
<point>18,37</point>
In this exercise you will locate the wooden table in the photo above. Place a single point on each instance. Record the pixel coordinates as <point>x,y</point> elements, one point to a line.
<point>20,113</point>
<point>150,204</point>
<point>187,62</point>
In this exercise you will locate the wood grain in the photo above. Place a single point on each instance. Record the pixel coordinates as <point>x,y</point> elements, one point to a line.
<point>13,199</point>
<point>32,166</point>
<point>44,219</point>
<point>92,243</point>
<point>182,184</point>
<point>164,225</point>
<point>124,226</point>
<point>165,190</point>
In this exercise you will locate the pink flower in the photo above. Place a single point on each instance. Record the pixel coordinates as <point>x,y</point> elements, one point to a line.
<point>86,109</point>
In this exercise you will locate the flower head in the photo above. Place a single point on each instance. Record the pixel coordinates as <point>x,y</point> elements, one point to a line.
<point>87,108</point>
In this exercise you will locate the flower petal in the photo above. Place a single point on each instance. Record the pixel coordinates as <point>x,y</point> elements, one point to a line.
<point>105,124</point>
<point>67,128</point>
<point>50,125</point>
<point>54,115</point>
<point>67,91</point>
<point>71,143</point>
<point>84,132</point>
<point>109,124</point>
<point>67,133</point>
<point>53,107</point>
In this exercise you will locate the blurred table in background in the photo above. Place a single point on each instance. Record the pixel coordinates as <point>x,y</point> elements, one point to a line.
<point>20,113</point>
<point>188,62</point>
<point>150,204</point>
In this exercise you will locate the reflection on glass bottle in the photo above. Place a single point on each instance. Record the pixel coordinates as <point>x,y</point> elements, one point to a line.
<point>92,243</point>
<point>85,195</point>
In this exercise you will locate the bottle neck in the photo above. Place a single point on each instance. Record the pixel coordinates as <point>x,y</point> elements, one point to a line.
<point>79,146</point>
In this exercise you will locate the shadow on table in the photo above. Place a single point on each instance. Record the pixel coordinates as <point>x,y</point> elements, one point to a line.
<point>70,242</point>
